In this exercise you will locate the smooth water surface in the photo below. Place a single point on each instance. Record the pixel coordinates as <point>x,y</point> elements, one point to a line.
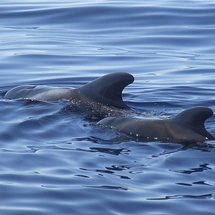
<point>53,157</point>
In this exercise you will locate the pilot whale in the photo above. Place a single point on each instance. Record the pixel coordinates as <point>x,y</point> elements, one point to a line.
<point>106,90</point>
<point>187,126</point>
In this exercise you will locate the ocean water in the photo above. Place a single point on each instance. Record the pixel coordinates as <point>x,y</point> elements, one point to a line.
<point>53,157</point>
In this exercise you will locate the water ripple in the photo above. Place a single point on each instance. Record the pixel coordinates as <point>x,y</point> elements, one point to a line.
<point>53,158</point>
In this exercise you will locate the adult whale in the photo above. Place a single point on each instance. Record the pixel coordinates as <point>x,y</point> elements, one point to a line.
<point>187,126</point>
<point>106,90</point>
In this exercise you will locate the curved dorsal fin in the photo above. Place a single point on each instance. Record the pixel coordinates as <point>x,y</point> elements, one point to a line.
<point>194,119</point>
<point>107,89</point>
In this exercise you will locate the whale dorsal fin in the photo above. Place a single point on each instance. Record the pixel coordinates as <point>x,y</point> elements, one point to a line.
<point>194,119</point>
<point>107,89</point>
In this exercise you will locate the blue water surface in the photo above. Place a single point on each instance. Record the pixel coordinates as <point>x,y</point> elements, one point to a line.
<point>53,158</point>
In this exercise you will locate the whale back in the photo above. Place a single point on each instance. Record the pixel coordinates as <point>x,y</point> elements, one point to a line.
<point>187,126</point>
<point>107,89</point>
<point>194,119</point>
<point>39,93</point>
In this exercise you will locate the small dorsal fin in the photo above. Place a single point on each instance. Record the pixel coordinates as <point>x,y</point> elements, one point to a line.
<point>194,119</point>
<point>107,89</point>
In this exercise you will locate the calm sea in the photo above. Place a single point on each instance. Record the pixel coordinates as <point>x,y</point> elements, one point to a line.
<point>53,158</point>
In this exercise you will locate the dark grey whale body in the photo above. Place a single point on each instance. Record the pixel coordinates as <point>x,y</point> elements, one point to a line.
<point>187,126</point>
<point>106,90</point>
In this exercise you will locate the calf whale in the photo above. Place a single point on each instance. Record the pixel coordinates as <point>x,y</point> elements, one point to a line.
<point>106,90</point>
<point>187,126</point>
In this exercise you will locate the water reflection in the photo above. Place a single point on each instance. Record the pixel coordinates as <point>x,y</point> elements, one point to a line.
<point>201,168</point>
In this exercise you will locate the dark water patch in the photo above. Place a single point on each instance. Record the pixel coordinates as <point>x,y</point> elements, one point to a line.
<point>195,183</point>
<point>109,187</point>
<point>206,196</point>
<point>202,167</point>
